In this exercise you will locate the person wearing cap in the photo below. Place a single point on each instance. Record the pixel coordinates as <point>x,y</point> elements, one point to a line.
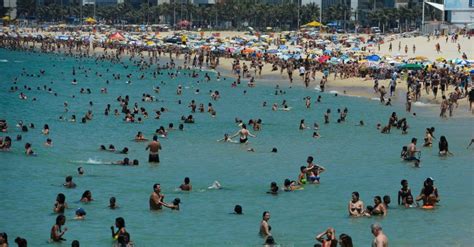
<point>80,214</point>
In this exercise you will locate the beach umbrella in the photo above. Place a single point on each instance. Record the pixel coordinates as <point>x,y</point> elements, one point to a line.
<point>472,71</point>
<point>6,18</point>
<point>373,58</point>
<point>90,20</point>
<point>313,24</point>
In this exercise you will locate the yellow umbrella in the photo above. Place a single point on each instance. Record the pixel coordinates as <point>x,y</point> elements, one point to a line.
<point>6,18</point>
<point>440,59</point>
<point>90,20</point>
<point>313,24</point>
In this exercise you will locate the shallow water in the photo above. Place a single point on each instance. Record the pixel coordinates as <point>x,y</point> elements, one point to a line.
<point>356,158</point>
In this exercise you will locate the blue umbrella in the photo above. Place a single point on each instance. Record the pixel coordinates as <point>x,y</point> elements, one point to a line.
<point>373,58</point>
<point>472,71</point>
<point>283,47</point>
<point>327,51</point>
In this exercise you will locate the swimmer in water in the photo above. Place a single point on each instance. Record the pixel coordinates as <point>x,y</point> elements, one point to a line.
<point>69,183</point>
<point>356,206</point>
<point>265,228</point>
<point>186,186</point>
<point>140,137</point>
<point>86,196</point>
<point>28,150</point>
<point>60,205</point>
<point>57,232</point>
<point>80,171</point>
<point>244,134</point>
<point>273,188</point>
<point>113,203</point>
<point>80,214</point>
<point>227,139</point>
<point>48,143</point>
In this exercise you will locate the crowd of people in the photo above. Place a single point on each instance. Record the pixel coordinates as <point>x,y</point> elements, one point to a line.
<point>430,79</point>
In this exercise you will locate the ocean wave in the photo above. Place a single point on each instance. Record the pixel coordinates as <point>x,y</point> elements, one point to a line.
<point>334,91</point>
<point>377,99</point>
<point>3,61</point>
<point>317,88</point>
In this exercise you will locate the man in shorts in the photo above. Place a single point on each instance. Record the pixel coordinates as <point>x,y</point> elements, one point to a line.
<point>154,146</point>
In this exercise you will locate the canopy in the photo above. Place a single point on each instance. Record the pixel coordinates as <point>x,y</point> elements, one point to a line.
<point>313,24</point>
<point>6,18</point>
<point>116,36</point>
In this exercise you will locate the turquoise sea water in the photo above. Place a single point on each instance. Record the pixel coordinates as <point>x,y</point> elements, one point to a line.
<point>356,158</point>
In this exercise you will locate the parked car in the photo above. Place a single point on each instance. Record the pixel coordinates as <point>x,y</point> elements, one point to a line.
<point>375,30</point>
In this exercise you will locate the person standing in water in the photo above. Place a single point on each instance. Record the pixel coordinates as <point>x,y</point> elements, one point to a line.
<point>380,239</point>
<point>56,231</point>
<point>154,147</point>
<point>156,198</point>
<point>265,228</point>
<point>244,134</point>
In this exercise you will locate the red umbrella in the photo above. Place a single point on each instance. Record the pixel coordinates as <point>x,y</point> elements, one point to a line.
<point>323,59</point>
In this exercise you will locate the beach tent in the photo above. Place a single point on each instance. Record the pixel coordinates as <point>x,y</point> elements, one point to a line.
<point>411,66</point>
<point>116,36</point>
<point>313,24</point>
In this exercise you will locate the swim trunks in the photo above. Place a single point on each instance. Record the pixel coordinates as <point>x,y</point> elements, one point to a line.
<point>154,158</point>
<point>243,140</point>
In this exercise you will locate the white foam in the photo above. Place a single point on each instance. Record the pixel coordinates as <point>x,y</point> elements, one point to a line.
<point>94,161</point>
<point>317,88</point>
<point>3,61</point>
<point>334,91</point>
<point>421,104</point>
<point>376,99</point>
